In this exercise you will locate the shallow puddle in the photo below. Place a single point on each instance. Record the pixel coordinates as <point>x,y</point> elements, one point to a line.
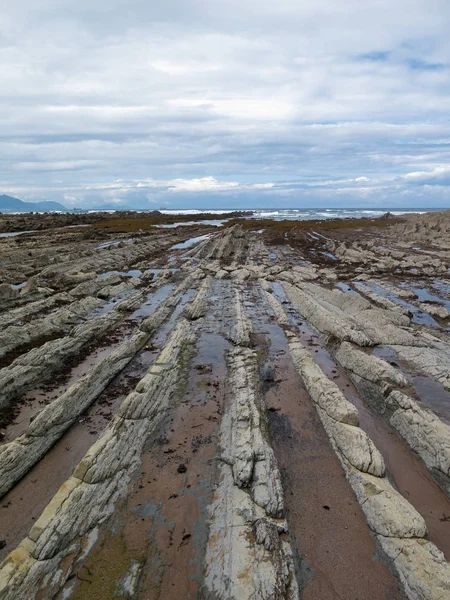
<point>442,287</point>
<point>430,392</point>
<point>190,242</point>
<point>434,395</point>
<point>154,300</point>
<point>14,233</point>
<point>346,288</point>
<point>329,254</point>
<point>418,316</point>
<point>214,223</point>
<point>130,273</point>
<point>425,295</point>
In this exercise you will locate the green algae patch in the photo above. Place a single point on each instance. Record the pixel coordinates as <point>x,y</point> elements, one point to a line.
<point>106,568</point>
<point>317,224</point>
<point>184,358</point>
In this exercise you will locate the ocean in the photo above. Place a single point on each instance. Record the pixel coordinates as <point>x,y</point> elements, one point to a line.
<point>304,213</point>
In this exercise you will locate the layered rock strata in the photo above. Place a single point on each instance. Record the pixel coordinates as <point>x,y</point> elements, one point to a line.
<point>398,527</point>
<point>248,555</point>
<point>46,558</point>
<point>423,431</point>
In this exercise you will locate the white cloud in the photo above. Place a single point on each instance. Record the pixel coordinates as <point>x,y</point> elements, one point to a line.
<point>200,97</point>
<point>204,184</point>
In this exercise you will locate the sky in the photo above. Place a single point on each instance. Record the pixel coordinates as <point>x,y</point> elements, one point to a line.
<point>226,104</point>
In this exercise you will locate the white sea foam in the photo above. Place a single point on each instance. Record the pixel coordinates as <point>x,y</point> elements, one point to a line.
<point>301,214</point>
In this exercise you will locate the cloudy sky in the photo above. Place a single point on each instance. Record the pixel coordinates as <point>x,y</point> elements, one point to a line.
<point>235,103</point>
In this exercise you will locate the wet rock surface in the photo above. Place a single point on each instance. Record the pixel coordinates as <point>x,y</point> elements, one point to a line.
<point>225,413</point>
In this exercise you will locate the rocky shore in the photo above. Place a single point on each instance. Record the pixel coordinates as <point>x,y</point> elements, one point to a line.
<point>258,410</point>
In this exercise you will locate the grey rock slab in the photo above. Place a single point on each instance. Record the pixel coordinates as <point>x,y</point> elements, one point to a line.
<point>32,308</point>
<point>339,417</point>
<point>20,571</point>
<point>30,287</point>
<point>155,320</point>
<point>7,292</point>
<point>198,307</point>
<point>324,318</point>
<point>399,528</point>
<point>387,304</point>
<point>240,274</point>
<point>277,308</point>
<point>379,325</point>
<point>222,274</point>
<point>110,291</point>
<point>435,310</point>
<point>143,407</point>
<point>423,431</point>
<point>246,557</point>
<point>420,567</point>
<point>369,367</point>
<point>41,362</point>
<point>253,462</point>
<point>433,362</point>
<point>353,445</point>
<point>387,512</point>
<point>242,328</point>
<point>266,285</point>
<point>15,336</point>
<point>322,390</point>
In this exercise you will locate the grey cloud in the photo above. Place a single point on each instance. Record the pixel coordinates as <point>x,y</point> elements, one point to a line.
<point>329,102</point>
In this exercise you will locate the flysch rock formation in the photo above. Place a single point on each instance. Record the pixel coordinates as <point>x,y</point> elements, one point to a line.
<point>200,419</point>
<point>198,307</point>
<point>276,307</point>
<point>247,554</point>
<point>325,318</point>
<point>399,528</point>
<point>432,361</point>
<point>46,558</point>
<point>241,329</point>
<point>340,418</point>
<point>15,336</point>
<point>17,457</point>
<point>27,369</point>
<point>18,315</point>
<point>383,302</point>
<point>423,431</point>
